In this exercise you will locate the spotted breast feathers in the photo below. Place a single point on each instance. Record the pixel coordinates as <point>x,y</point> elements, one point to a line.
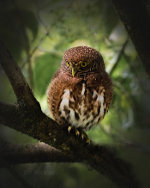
<point>79,102</point>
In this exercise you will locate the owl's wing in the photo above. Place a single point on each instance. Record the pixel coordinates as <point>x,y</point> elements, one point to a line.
<point>106,83</point>
<point>102,83</point>
<point>59,83</point>
<point>54,93</point>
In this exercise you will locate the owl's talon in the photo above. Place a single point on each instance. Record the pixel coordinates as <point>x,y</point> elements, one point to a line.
<point>88,141</point>
<point>82,136</point>
<point>77,133</point>
<point>69,129</point>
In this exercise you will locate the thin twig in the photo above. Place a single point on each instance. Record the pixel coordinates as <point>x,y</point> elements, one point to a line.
<point>30,55</point>
<point>134,69</point>
<point>119,57</point>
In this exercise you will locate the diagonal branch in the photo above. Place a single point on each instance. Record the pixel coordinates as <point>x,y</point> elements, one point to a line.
<point>17,80</point>
<point>29,119</point>
<point>121,52</point>
<point>135,17</point>
<point>7,113</point>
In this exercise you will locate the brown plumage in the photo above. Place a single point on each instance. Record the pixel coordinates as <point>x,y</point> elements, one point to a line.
<point>81,91</point>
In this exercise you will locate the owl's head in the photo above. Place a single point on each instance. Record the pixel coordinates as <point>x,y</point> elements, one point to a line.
<point>80,60</point>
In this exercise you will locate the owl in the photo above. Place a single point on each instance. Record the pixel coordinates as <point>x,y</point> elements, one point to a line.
<point>80,92</point>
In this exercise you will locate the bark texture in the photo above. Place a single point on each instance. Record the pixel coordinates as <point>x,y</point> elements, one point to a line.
<point>136,20</point>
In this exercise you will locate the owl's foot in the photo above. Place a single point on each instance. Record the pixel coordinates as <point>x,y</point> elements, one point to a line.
<point>69,129</point>
<point>72,129</point>
<point>80,133</point>
<point>85,137</point>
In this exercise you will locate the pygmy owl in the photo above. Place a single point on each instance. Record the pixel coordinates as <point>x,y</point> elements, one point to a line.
<point>81,91</point>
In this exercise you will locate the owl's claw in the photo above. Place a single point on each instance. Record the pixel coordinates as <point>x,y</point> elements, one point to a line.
<point>77,133</point>
<point>80,133</point>
<point>82,136</point>
<point>88,141</point>
<point>85,137</point>
<point>69,129</point>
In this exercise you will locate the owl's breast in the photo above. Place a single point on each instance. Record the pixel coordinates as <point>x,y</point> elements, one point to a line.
<point>82,107</point>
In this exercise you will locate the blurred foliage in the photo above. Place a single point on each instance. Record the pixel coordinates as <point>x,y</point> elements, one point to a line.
<point>44,66</point>
<point>15,24</point>
<point>38,32</point>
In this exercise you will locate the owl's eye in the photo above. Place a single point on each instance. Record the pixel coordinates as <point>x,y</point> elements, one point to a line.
<point>83,64</point>
<point>67,63</point>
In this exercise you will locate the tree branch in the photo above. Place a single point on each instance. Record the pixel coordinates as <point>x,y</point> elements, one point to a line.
<point>7,113</point>
<point>17,80</point>
<point>29,119</point>
<point>136,20</point>
<point>31,153</point>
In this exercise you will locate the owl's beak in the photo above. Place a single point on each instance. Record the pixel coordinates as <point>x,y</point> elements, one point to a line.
<point>74,71</point>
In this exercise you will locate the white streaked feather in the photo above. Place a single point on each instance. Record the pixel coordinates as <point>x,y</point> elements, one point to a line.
<point>83,89</point>
<point>100,99</point>
<point>64,102</point>
<point>83,120</point>
<point>94,94</point>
